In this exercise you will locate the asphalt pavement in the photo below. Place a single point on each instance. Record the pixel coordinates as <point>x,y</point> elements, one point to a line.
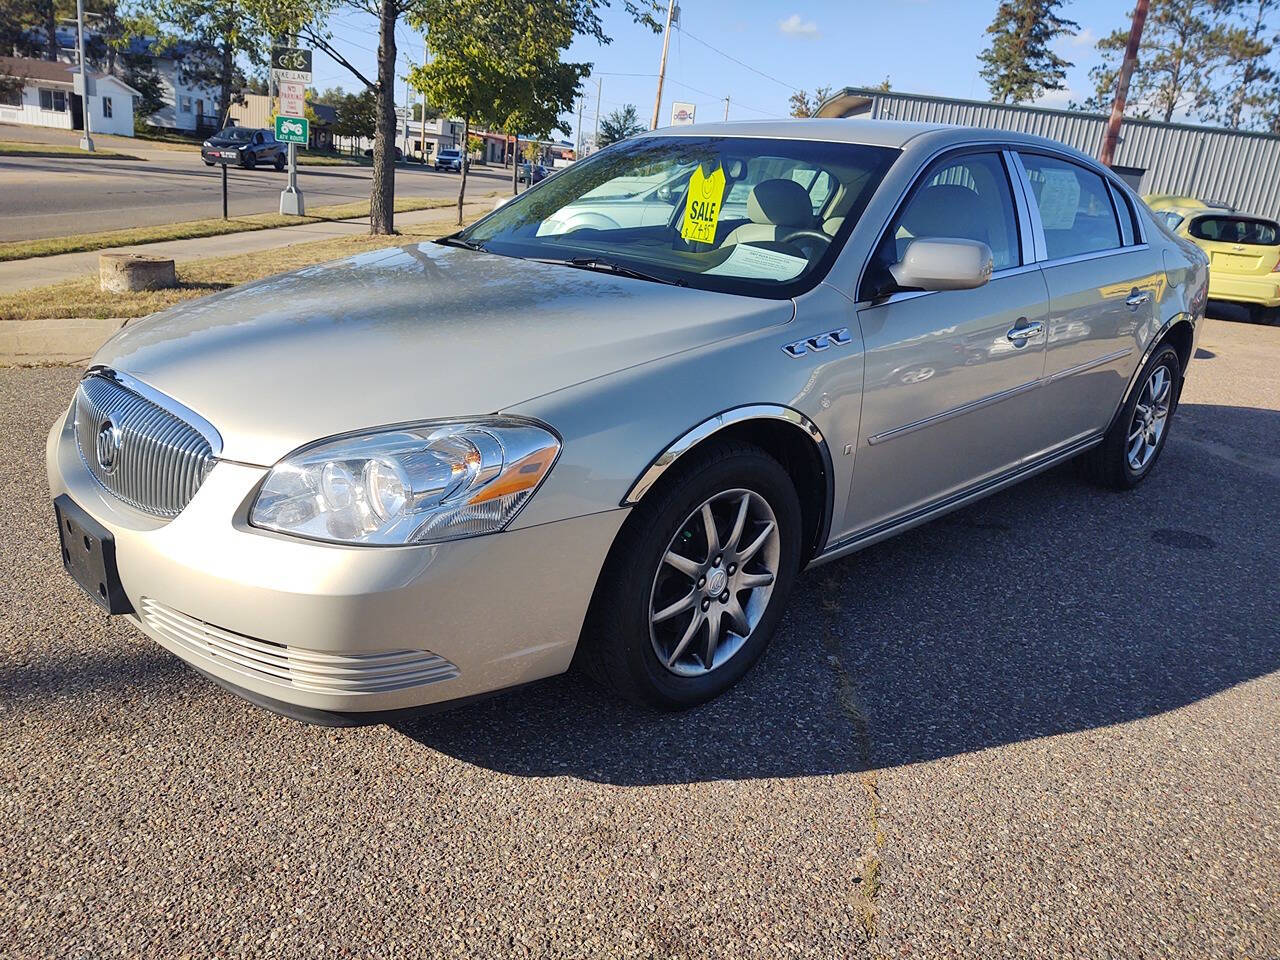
<point>1046,725</point>
<point>55,196</point>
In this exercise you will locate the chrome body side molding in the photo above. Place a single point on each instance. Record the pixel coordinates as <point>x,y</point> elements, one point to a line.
<point>996,397</point>
<point>945,415</point>
<point>896,525</point>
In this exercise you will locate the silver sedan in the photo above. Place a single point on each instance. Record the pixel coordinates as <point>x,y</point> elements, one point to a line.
<point>428,473</point>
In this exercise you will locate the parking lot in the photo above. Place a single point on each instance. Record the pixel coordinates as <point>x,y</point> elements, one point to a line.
<point>1048,724</point>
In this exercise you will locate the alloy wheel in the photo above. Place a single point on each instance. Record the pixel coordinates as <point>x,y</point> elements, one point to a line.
<point>1150,417</point>
<point>714,582</point>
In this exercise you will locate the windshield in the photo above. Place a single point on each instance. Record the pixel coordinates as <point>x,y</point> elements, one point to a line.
<point>448,153</point>
<point>740,215</point>
<point>238,134</point>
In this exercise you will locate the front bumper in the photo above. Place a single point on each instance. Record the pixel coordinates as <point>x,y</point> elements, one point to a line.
<point>343,630</point>
<point>1263,290</point>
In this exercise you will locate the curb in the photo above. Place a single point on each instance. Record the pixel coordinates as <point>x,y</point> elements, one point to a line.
<point>34,342</point>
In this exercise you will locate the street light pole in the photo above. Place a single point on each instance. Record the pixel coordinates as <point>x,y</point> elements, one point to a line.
<point>726,109</point>
<point>86,142</point>
<point>422,127</point>
<point>1112,136</point>
<point>662,66</point>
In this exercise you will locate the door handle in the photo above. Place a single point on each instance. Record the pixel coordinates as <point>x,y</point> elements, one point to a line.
<point>1023,331</point>
<point>1138,298</point>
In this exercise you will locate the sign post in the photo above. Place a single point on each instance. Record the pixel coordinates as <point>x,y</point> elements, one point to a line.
<point>291,70</point>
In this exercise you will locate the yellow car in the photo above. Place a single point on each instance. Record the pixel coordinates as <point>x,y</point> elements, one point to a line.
<point>1244,250</point>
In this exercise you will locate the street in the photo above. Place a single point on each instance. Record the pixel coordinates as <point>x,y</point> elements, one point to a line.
<point>1047,724</point>
<point>54,196</point>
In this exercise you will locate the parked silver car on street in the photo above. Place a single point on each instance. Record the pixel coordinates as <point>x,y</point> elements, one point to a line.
<point>428,473</point>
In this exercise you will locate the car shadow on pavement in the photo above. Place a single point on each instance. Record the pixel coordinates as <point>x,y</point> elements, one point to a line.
<point>1049,608</point>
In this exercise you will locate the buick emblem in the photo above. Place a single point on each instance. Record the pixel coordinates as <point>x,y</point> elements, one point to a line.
<point>108,447</point>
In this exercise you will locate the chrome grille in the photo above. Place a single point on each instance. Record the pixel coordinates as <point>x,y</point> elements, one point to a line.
<point>294,667</point>
<point>145,455</point>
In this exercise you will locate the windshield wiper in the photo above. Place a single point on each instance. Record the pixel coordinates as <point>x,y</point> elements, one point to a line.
<point>608,266</point>
<point>454,240</point>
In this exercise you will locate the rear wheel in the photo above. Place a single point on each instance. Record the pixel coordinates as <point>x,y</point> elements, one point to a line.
<point>1136,439</point>
<point>695,586</point>
<point>249,161</point>
<point>280,161</point>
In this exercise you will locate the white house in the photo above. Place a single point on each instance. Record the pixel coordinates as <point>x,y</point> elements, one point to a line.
<point>188,106</point>
<point>41,93</point>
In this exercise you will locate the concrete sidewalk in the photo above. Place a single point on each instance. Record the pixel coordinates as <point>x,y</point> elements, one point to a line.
<point>18,275</point>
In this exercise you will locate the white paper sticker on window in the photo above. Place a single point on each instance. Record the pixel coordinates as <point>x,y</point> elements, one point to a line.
<point>757,263</point>
<point>1059,199</point>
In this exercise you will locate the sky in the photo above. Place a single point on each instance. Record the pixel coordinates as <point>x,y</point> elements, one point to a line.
<point>756,52</point>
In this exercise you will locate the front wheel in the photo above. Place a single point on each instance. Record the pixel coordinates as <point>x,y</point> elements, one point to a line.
<point>1136,439</point>
<point>695,586</point>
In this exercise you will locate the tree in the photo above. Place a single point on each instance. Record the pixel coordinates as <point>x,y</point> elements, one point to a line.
<point>355,114</point>
<point>499,62</point>
<point>1020,64</point>
<point>224,33</point>
<point>1250,92</point>
<point>619,125</point>
<point>802,106</point>
<point>1182,45</point>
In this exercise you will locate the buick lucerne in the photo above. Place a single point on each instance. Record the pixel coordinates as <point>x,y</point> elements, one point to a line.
<point>608,424</point>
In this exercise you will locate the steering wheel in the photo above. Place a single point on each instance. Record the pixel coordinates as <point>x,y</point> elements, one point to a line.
<point>811,234</point>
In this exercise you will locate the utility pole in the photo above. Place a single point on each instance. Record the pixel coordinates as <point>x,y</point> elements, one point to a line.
<point>86,142</point>
<point>726,109</point>
<point>1112,136</point>
<point>662,66</point>
<point>599,90</point>
<point>577,152</point>
<point>408,113</point>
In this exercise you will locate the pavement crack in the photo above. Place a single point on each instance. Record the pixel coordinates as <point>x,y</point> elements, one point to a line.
<point>867,868</point>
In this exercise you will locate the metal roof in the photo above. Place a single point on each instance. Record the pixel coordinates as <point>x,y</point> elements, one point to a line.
<point>1236,166</point>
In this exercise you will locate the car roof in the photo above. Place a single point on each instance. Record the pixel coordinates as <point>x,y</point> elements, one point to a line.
<point>862,130</point>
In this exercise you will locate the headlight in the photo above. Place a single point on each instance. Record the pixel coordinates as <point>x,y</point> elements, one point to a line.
<point>413,484</point>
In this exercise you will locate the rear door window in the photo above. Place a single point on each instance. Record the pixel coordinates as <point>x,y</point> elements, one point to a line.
<point>1075,207</point>
<point>1248,230</point>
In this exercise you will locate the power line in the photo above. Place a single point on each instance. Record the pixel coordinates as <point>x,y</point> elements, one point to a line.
<point>789,86</point>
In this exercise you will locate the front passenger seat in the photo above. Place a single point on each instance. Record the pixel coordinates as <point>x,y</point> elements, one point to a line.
<point>777,208</point>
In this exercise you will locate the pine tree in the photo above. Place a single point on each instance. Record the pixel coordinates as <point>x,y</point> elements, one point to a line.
<point>1183,45</point>
<point>1020,64</point>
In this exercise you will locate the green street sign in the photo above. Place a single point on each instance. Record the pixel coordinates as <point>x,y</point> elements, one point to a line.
<point>292,129</point>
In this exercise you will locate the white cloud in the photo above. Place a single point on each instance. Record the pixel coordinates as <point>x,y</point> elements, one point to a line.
<point>1058,99</point>
<point>1085,38</point>
<point>797,26</point>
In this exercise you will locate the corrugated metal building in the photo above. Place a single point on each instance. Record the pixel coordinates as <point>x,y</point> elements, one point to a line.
<point>1232,166</point>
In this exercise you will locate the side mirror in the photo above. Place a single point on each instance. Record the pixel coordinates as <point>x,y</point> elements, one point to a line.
<point>665,194</point>
<point>943,263</point>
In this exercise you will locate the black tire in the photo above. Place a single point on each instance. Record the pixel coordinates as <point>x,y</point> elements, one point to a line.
<point>617,649</point>
<point>208,163</point>
<point>249,161</point>
<point>1108,463</point>
<point>280,161</point>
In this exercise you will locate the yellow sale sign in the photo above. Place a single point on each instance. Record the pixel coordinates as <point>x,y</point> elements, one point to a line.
<point>702,208</point>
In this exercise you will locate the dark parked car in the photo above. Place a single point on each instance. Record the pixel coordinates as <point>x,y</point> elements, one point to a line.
<point>449,160</point>
<point>532,173</point>
<point>399,154</point>
<point>245,146</point>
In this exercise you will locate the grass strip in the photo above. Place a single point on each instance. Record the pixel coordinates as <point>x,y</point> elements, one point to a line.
<point>15,148</point>
<point>197,278</point>
<point>212,227</point>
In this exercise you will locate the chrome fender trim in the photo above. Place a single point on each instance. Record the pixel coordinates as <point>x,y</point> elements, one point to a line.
<point>709,427</point>
<point>1156,340</point>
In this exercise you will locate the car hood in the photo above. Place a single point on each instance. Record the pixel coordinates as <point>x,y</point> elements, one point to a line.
<point>409,333</point>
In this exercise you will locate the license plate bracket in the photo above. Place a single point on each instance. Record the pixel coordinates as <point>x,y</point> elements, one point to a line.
<point>89,555</point>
